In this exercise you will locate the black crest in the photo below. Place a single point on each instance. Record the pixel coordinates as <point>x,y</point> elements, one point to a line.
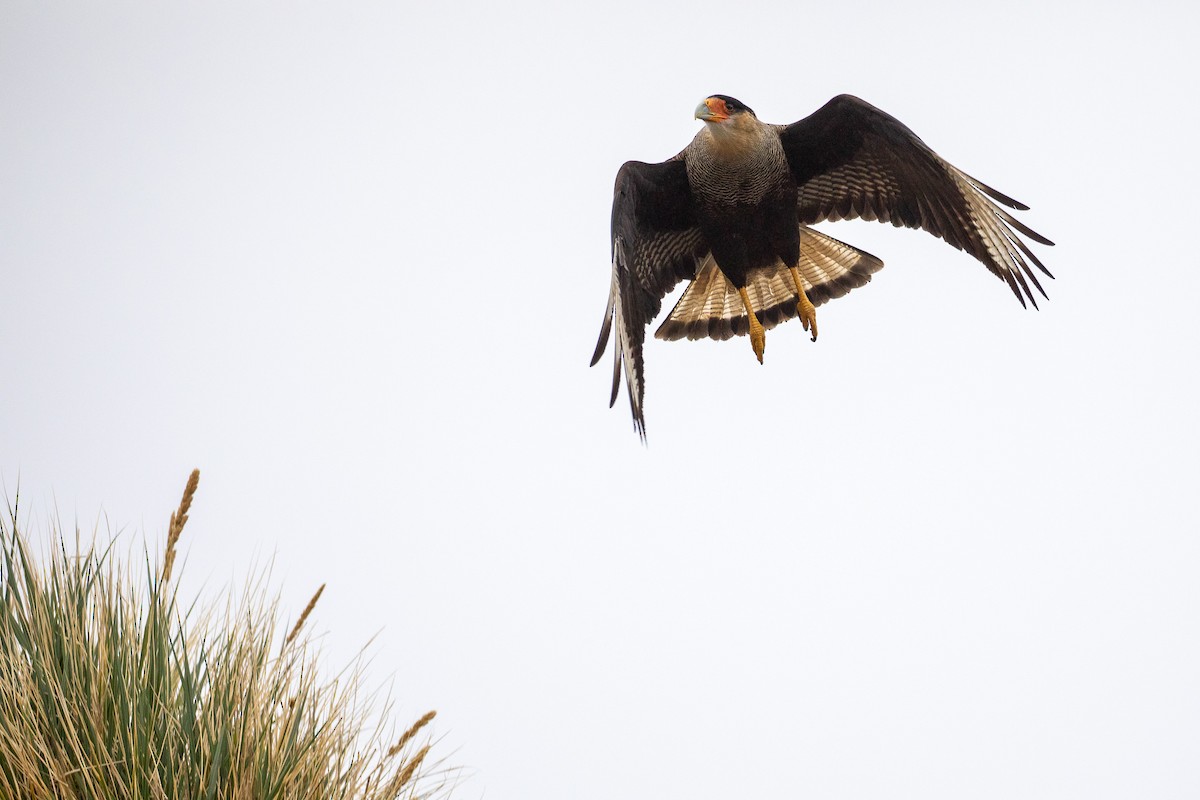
<point>735,105</point>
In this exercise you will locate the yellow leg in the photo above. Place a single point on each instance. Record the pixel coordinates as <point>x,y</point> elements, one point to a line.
<point>758,336</point>
<point>808,313</point>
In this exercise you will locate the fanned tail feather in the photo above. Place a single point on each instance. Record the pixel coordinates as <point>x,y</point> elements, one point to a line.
<point>711,307</point>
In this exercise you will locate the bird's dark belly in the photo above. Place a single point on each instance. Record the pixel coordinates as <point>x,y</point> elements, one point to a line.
<point>745,237</point>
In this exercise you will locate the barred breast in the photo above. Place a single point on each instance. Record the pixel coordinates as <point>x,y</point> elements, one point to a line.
<point>736,170</point>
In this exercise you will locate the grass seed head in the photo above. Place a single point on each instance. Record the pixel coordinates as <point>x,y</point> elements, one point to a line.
<point>304,616</point>
<point>179,518</point>
<point>408,735</point>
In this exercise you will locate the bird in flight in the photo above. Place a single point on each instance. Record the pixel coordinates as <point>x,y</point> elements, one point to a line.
<point>730,214</point>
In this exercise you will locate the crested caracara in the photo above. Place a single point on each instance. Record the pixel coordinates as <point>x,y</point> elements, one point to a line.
<point>731,213</point>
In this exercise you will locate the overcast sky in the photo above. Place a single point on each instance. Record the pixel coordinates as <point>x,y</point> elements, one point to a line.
<point>350,260</point>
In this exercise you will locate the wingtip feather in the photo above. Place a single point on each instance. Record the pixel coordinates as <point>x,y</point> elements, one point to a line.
<point>605,331</point>
<point>616,378</point>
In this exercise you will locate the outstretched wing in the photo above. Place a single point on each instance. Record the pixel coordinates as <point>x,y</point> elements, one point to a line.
<point>656,242</point>
<point>851,160</point>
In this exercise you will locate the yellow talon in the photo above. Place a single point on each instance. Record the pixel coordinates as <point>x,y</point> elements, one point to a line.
<point>806,310</point>
<point>758,336</point>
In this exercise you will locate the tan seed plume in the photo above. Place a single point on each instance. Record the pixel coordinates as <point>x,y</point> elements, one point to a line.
<point>304,616</point>
<point>407,736</point>
<point>406,773</point>
<point>178,520</point>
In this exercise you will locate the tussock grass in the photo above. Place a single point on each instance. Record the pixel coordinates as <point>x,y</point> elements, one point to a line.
<point>109,688</point>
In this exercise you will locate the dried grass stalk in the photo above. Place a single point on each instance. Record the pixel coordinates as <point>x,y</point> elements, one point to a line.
<point>408,735</point>
<point>304,616</point>
<point>178,520</point>
<point>406,773</point>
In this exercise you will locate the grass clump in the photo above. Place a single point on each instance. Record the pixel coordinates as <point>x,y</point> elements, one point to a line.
<point>109,688</point>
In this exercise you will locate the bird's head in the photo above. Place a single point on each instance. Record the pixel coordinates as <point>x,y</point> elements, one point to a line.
<point>730,126</point>
<point>720,109</point>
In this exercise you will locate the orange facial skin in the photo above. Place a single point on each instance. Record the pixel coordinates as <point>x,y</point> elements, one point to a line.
<point>712,109</point>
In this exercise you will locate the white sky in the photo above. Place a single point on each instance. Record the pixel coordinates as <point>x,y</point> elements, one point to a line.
<point>350,260</point>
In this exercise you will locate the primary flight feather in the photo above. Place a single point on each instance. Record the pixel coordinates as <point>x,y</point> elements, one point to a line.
<point>730,214</point>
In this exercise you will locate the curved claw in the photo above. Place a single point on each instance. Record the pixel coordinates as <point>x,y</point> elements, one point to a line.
<point>758,339</point>
<point>808,316</point>
<point>758,335</point>
<point>804,308</point>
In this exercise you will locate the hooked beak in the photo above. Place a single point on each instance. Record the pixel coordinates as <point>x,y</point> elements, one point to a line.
<point>712,110</point>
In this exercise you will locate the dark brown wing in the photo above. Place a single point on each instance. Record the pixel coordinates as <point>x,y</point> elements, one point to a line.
<point>655,244</point>
<point>851,160</point>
